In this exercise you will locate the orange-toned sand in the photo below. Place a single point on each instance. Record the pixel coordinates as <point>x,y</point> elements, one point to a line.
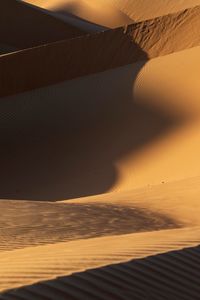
<point>112,13</point>
<point>114,142</point>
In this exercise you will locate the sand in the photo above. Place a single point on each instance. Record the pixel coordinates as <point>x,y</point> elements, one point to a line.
<point>100,180</point>
<point>25,27</point>
<point>95,53</point>
<point>112,13</point>
<point>90,15</point>
<point>47,261</point>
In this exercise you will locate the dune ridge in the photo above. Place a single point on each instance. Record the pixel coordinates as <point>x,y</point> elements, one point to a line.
<point>141,10</point>
<point>21,26</point>
<point>27,266</point>
<point>100,142</point>
<point>139,41</point>
<point>131,128</point>
<point>98,14</point>
<point>65,258</point>
<point>156,276</point>
<point>135,10</point>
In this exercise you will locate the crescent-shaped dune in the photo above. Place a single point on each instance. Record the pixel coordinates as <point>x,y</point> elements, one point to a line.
<point>100,177</point>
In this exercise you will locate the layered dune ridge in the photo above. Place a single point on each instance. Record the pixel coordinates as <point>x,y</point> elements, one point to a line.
<point>99,124</point>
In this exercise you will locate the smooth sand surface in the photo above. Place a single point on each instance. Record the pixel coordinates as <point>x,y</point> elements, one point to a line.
<point>96,12</point>
<point>142,10</point>
<point>130,124</point>
<point>111,13</point>
<point>115,136</point>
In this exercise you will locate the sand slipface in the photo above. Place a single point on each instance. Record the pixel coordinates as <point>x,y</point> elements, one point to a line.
<point>100,180</point>
<point>98,52</point>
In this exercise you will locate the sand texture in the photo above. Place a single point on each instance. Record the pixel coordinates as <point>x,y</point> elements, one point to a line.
<point>98,52</point>
<point>99,150</point>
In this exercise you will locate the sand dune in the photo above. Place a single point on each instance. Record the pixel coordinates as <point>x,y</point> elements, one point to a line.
<point>96,53</point>
<point>156,276</point>
<point>112,13</point>
<point>21,26</point>
<point>46,261</point>
<point>107,122</point>
<point>130,132</point>
<point>141,10</point>
<point>96,12</point>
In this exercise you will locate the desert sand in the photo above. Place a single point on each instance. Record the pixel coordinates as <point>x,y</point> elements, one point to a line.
<point>100,180</point>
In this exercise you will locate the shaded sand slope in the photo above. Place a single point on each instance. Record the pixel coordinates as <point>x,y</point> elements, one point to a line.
<point>173,275</point>
<point>23,26</point>
<point>95,12</point>
<point>46,261</point>
<point>111,131</point>
<point>98,52</point>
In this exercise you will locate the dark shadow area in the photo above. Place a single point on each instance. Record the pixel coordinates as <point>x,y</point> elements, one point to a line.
<point>79,22</point>
<point>63,142</point>
<point>169,276</point>
<point>26,223</point>
<point>67,13</point>
<point>25,26</point>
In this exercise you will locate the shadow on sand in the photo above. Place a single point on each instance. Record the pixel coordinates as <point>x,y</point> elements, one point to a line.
<point>63,141</point>
<point>173,275</point>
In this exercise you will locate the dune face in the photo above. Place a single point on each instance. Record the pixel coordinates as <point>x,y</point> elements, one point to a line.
<point>23,27</point>
<point>112,13</point>
<point>93,14</point>
<point>141,10</point>
<point>99,150</point>
<point>97,52</point>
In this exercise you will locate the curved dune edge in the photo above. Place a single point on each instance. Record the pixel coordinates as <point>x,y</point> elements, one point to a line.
<point>33,264</point>
<point>100,13</point>
<point>130,124</point>
<point>30,265</point>
<point>166,98</point>
<point>136,10</point>
<point>98,52</point>
<point>156,277</point>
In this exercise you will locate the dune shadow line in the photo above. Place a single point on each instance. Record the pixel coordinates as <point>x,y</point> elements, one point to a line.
<point>63,141</point>
<point>173,275</point>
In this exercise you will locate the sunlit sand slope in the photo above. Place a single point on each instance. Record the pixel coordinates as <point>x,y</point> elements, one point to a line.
<point>111,13</point>
<point>173,275</point>
<point>48,260</point>
<point>140,10</point>
<point>86,14</point>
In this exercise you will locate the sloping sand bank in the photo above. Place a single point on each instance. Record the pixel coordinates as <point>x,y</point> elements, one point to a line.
<point>114,116</point>
<point>22,26</point>
<point>160,277</point>
<point>33,264</point>
<point>98,52</point>
<point>130,124</point>
<point>112,13</point>
<point>92,13</point>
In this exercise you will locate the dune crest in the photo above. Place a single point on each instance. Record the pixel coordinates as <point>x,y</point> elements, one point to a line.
<point>97,12</point>
<point>99,150</point>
